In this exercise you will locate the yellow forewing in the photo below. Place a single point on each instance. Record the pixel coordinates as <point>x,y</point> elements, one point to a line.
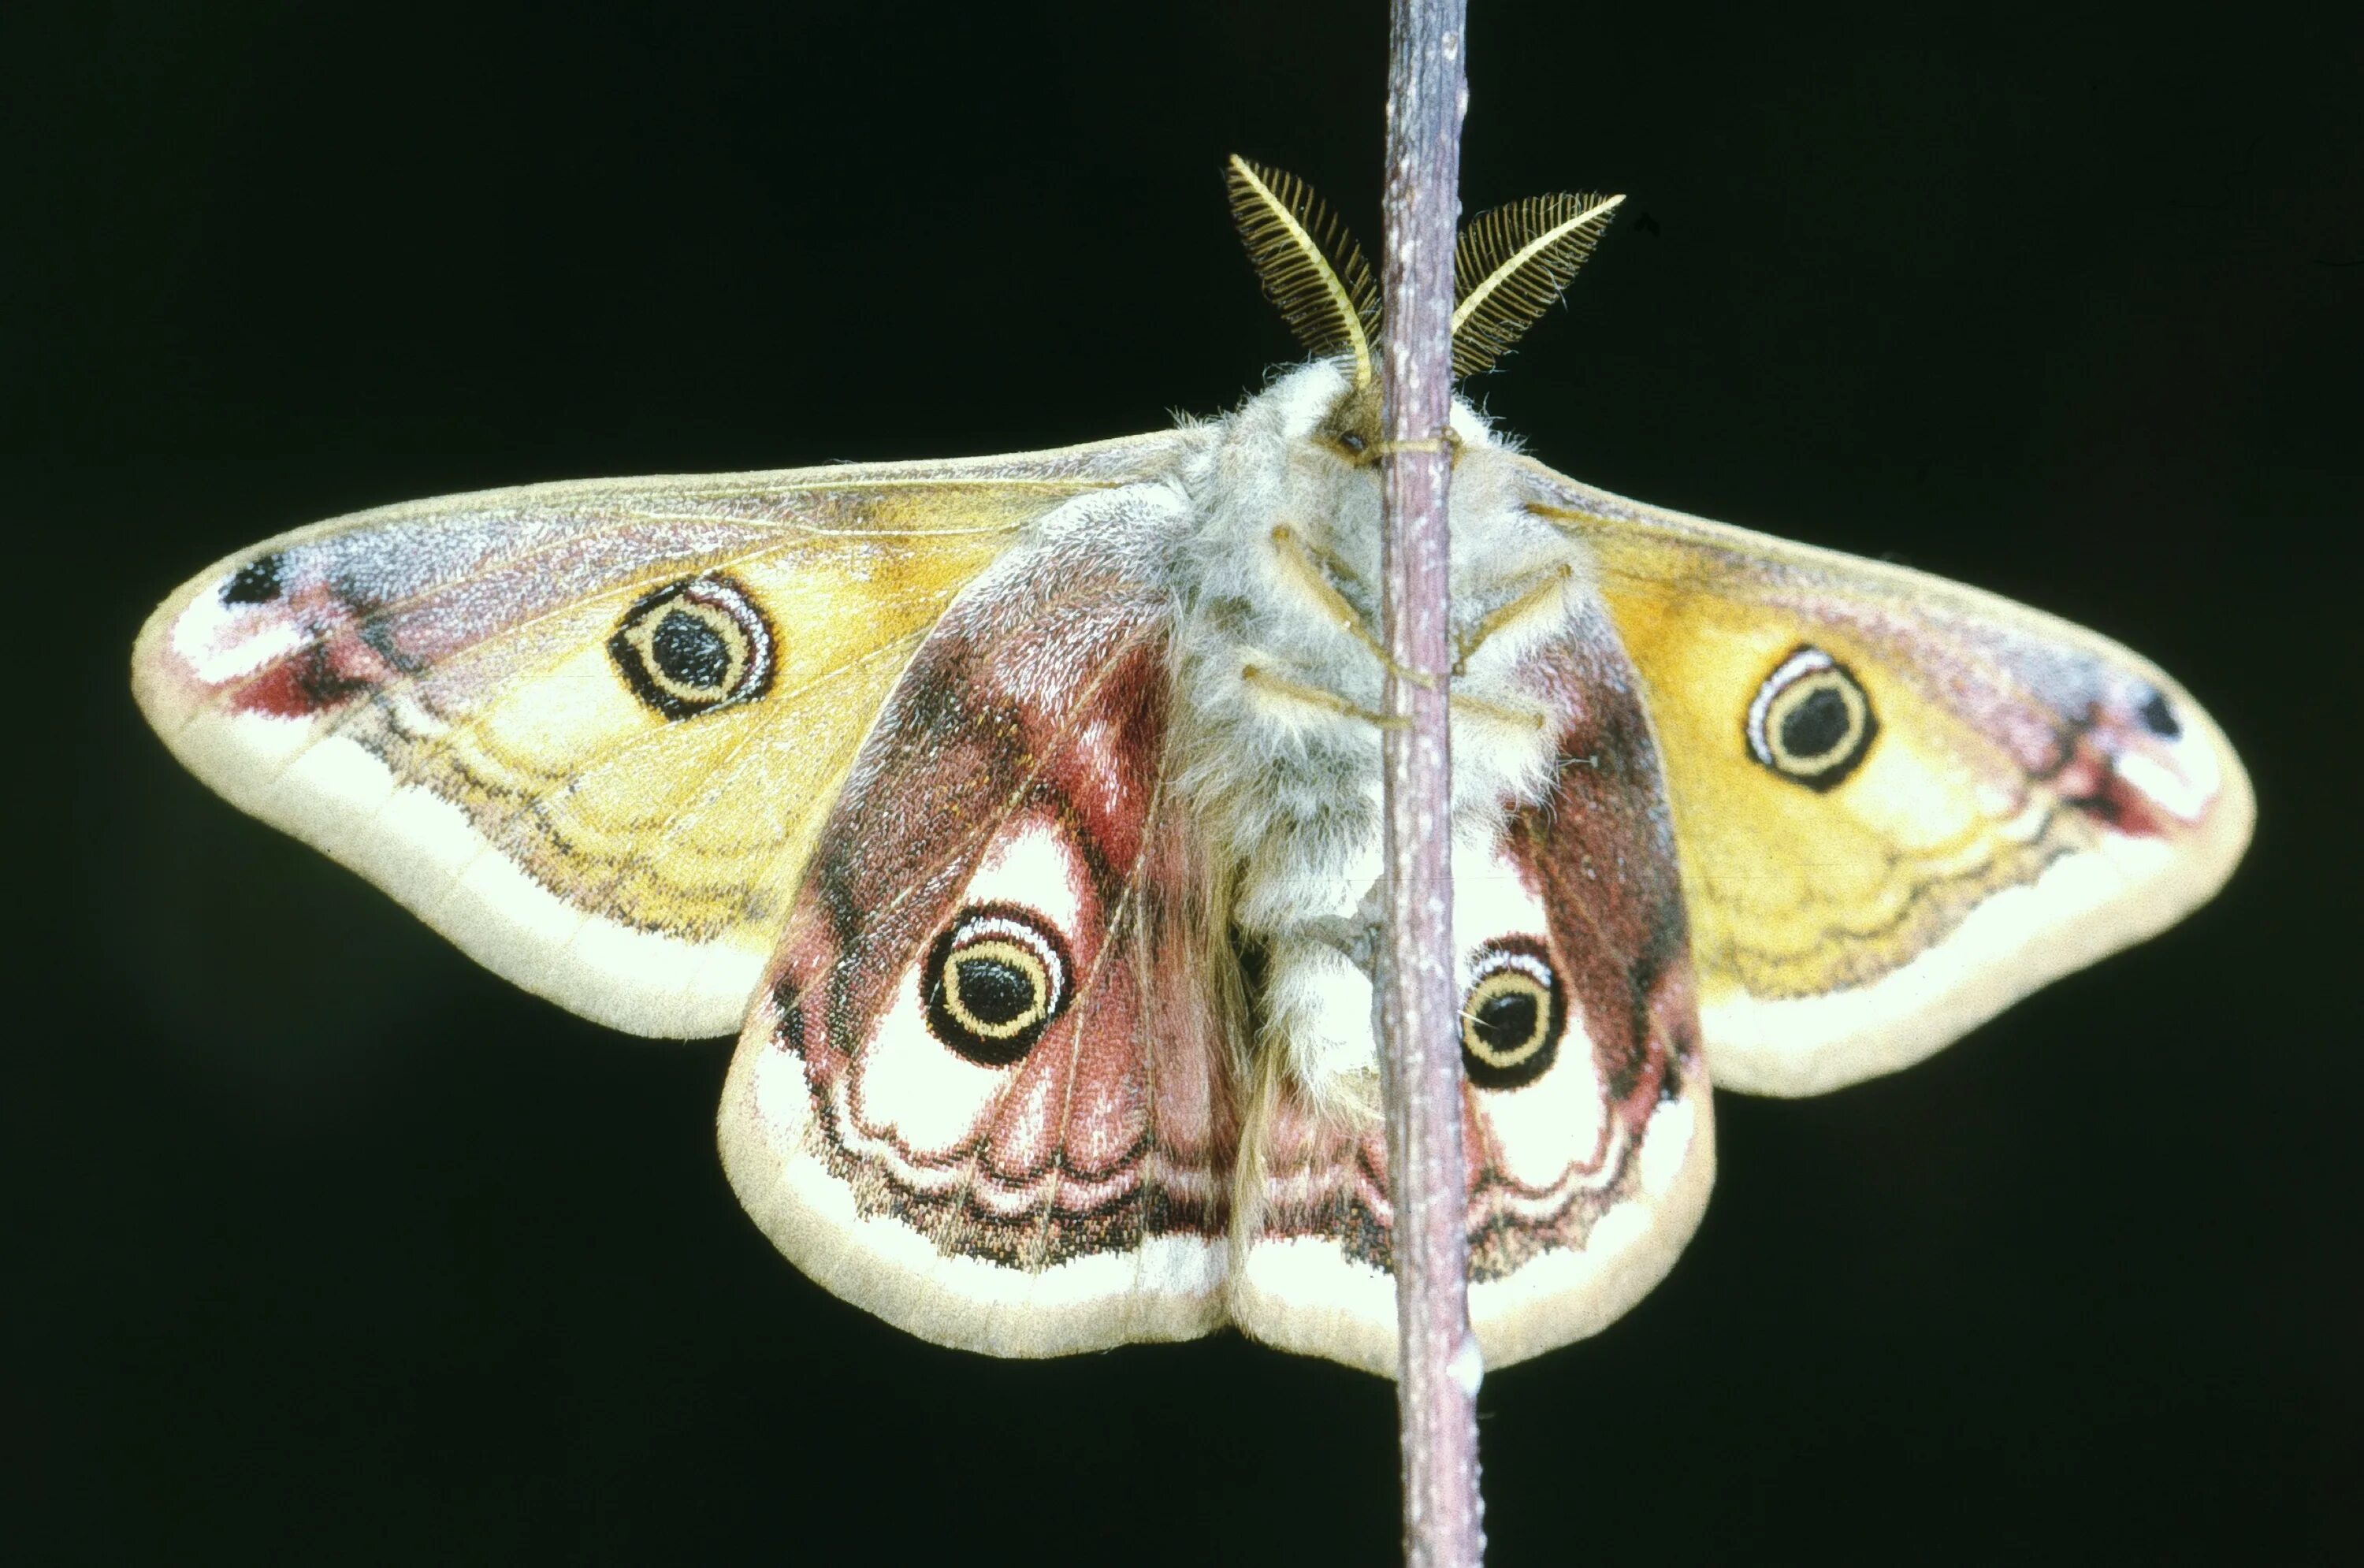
<point>2012,818</point>
<point>436,696</point>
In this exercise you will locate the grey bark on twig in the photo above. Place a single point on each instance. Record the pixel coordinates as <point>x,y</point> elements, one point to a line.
<point>1438,1365</point>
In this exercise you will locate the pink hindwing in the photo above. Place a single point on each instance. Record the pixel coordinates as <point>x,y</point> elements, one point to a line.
<point>1586,1121</point>
<point>984,1090</point>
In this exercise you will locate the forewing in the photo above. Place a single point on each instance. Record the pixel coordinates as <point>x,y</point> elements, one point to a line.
<point>588,732</point>
<point>982,1090</point>
<point>1901,803</point>
<point>1587,1123</point>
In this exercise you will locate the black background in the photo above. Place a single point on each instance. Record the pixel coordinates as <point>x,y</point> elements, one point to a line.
<point>329,1246</point>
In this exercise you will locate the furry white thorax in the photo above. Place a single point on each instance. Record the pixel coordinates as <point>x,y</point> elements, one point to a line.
<point>1275,751</point>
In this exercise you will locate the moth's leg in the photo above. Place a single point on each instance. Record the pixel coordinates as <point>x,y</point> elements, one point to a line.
<point>1297,691</point>
<point>1297,557</point>
<point>1310,569</point>
<point>1464,647</point>
<point>1501,713</point>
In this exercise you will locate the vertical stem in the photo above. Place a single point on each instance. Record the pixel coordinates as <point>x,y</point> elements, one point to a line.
<point>1419,1007</point>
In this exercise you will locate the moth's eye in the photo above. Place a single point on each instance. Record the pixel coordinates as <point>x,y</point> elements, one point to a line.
<point>1810,721</point>
<point>1512,1016</point>
<point>695,645</point>
<point>995,980</point>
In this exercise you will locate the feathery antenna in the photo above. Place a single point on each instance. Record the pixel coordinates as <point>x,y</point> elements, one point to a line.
<point>1509,266</point>
<point>1310,266</point>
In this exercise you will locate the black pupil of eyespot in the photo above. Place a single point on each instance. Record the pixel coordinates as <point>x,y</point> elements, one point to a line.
<point>1817,726</point>
<point>995,993</point>
<point>1506,1021</point>
<point>689,650</point>
<point>1352,443</point>
<point>2159,717</point>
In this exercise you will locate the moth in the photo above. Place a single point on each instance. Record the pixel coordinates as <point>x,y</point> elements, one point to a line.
<point>1020,813</point>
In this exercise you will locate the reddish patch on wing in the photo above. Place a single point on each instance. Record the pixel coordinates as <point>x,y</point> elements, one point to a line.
<point>327,648</point>
<point>322,675</point>
<point>2092,777</point>
<point>2091,781</point>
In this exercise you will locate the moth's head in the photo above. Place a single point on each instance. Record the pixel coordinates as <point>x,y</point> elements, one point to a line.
<point>1509,266</point>
<point>1330,423</point>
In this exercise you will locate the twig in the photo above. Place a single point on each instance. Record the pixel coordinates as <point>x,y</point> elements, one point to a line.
<point>1438,1362</point>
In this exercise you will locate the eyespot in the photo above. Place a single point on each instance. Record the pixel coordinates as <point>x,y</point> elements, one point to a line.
<point>1353,443</point>
<point>1513,1016</point>
<point>695,645</point>
<point>995,979</point>
<point>1810,721</point>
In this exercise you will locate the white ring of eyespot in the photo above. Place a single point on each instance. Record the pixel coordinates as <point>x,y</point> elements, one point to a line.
<point>1507,971</point>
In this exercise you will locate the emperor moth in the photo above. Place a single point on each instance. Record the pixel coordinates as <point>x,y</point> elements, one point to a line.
<point>1018,813</point>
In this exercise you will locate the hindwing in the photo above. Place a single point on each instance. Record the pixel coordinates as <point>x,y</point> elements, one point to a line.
<point>1587,1124</point>
<point>984,1089</point>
